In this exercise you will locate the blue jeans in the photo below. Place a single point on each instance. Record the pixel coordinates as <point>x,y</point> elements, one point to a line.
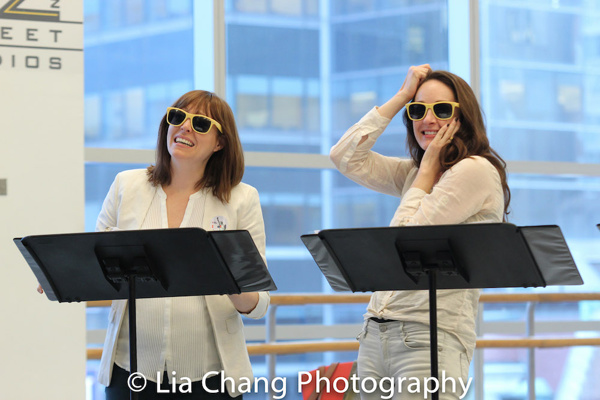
<point>394,359</point>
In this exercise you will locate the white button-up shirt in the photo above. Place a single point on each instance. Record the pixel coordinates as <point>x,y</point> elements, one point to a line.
<point>174,334</point>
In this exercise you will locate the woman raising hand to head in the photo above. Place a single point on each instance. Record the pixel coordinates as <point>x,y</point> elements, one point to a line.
<point>452,177</point>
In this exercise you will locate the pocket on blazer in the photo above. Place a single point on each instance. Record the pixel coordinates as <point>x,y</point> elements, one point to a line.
<point>234,324</point>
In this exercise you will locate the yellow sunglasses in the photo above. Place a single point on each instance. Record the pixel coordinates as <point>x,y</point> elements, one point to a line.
<point>442,109</point>
<point>200,123</point>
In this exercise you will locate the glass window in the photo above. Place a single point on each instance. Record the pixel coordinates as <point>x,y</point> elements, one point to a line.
<point>285,8</point>
<point>534,82</point>
<point>301,72</point>
<point>273,83</point>
<point>131,72</point>
<point>538,72</point>
<point>296,87</point>
<point>537,80</point>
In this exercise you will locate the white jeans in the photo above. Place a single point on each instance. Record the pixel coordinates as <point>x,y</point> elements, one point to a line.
<point>396,356</point>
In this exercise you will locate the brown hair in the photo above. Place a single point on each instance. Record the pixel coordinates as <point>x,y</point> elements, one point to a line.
<point>225,167</point>
<point>471,138</point>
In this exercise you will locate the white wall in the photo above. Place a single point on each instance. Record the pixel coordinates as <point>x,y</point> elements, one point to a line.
<point>42,343</point>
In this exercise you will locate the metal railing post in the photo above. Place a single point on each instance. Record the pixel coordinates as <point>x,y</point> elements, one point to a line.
<point>270,337</point>
<point>478,357</point>
<point>530,332</point>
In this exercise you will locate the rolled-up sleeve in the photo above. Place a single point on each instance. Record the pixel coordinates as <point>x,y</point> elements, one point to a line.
<point>359,163</point>
<point>251,219</point>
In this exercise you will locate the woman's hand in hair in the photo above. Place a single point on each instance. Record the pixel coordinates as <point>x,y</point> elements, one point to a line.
<point>407,91</point>
<point>430,168</point>
<point>413,78</point>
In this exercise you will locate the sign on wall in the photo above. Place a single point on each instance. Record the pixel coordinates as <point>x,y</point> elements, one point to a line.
<point>40,35</point>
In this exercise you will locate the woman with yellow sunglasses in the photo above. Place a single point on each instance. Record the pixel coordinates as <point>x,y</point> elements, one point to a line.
<point>452,177</point>
<point>196,182</point>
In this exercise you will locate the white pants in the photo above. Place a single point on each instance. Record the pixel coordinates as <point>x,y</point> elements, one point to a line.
<point>396,356</point>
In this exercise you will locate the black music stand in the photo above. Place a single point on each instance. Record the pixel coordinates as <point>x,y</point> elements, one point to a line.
<point>475,256</point>
<point>144,264</point>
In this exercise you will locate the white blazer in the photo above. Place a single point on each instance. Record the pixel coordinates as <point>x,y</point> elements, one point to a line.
<point>125,208</point>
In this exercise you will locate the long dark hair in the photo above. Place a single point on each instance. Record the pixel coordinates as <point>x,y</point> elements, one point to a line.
<point>470,140</point>
<point>225,167</point>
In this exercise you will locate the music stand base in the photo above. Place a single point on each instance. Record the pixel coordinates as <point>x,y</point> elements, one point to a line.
<point>132,334</point>
<point>433,336</point>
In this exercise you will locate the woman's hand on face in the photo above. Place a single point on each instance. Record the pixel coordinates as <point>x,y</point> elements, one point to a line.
<point>415,75</point>
<point>430,164</point>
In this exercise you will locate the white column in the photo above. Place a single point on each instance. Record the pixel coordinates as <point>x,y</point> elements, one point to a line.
<point>209,46</point>
<point>460,46</point>
<point>41,158</point>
